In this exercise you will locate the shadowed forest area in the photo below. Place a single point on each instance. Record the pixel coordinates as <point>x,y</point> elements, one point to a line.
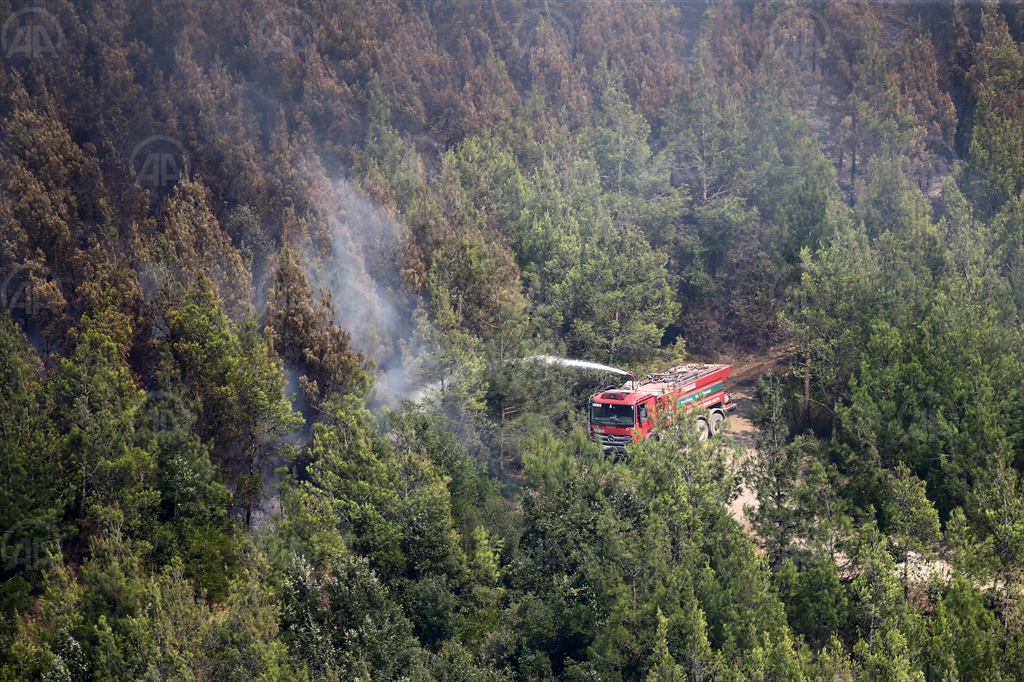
<point>275,279</point>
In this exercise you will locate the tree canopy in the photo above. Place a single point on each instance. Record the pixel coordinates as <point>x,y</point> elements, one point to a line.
<point>275,282</point>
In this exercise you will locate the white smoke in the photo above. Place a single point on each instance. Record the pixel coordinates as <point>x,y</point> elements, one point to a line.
<point>363,275</point>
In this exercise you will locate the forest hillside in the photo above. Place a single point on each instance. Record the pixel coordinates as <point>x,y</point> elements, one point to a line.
<point>276,282</point>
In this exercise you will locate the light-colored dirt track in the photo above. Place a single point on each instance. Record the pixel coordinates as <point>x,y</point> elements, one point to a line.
<point>740,386</point>
<point>742,431</point>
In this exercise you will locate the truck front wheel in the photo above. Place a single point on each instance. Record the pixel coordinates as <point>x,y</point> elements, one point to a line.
<point>717,422</point>
<point>702,429</point>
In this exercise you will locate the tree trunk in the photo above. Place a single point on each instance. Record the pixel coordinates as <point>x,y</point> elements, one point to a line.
<point>807,391</point>
<point>85,481</point>
<point>1006,612</point>
<point>501,445</point>
<point>835,407</point>
<point>906,575</point>
<point>853,163</point>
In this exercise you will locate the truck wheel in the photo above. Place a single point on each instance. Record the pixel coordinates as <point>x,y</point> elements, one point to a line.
<point>717,422</point>
<point>702,429</point>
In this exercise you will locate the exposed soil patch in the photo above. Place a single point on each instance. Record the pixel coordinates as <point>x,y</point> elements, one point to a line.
<point>740,385</point>
<point>742,431</point>
<point>747,369</point>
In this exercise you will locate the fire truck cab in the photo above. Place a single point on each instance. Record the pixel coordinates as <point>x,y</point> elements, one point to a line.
<point>631,413</point>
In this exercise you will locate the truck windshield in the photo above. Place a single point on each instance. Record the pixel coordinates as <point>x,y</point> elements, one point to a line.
<point>612,415</point>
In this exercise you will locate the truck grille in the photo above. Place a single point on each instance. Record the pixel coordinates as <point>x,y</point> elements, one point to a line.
<point>616,443</point>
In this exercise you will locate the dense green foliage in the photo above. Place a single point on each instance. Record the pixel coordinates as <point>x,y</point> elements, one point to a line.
<point>235,237</point>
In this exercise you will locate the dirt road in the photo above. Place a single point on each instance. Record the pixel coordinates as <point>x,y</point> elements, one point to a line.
<point>742,431</point>
<point>741,386</point>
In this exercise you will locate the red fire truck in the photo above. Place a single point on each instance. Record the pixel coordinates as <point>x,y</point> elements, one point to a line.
<point>630,413</point>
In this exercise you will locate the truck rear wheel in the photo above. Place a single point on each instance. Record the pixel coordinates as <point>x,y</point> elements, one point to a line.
<point>717,422</point>
<point>702,429</point>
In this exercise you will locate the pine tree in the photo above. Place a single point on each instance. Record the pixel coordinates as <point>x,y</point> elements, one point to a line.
<point>997,140</point>
<point>1002,515</point>
<point>913,521</point>
<point>98,408</point>
<point>832,302</point>
<point>773,471</point>
<point>29,459</point>
<point>305,335</point>
<point>664,668</point>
